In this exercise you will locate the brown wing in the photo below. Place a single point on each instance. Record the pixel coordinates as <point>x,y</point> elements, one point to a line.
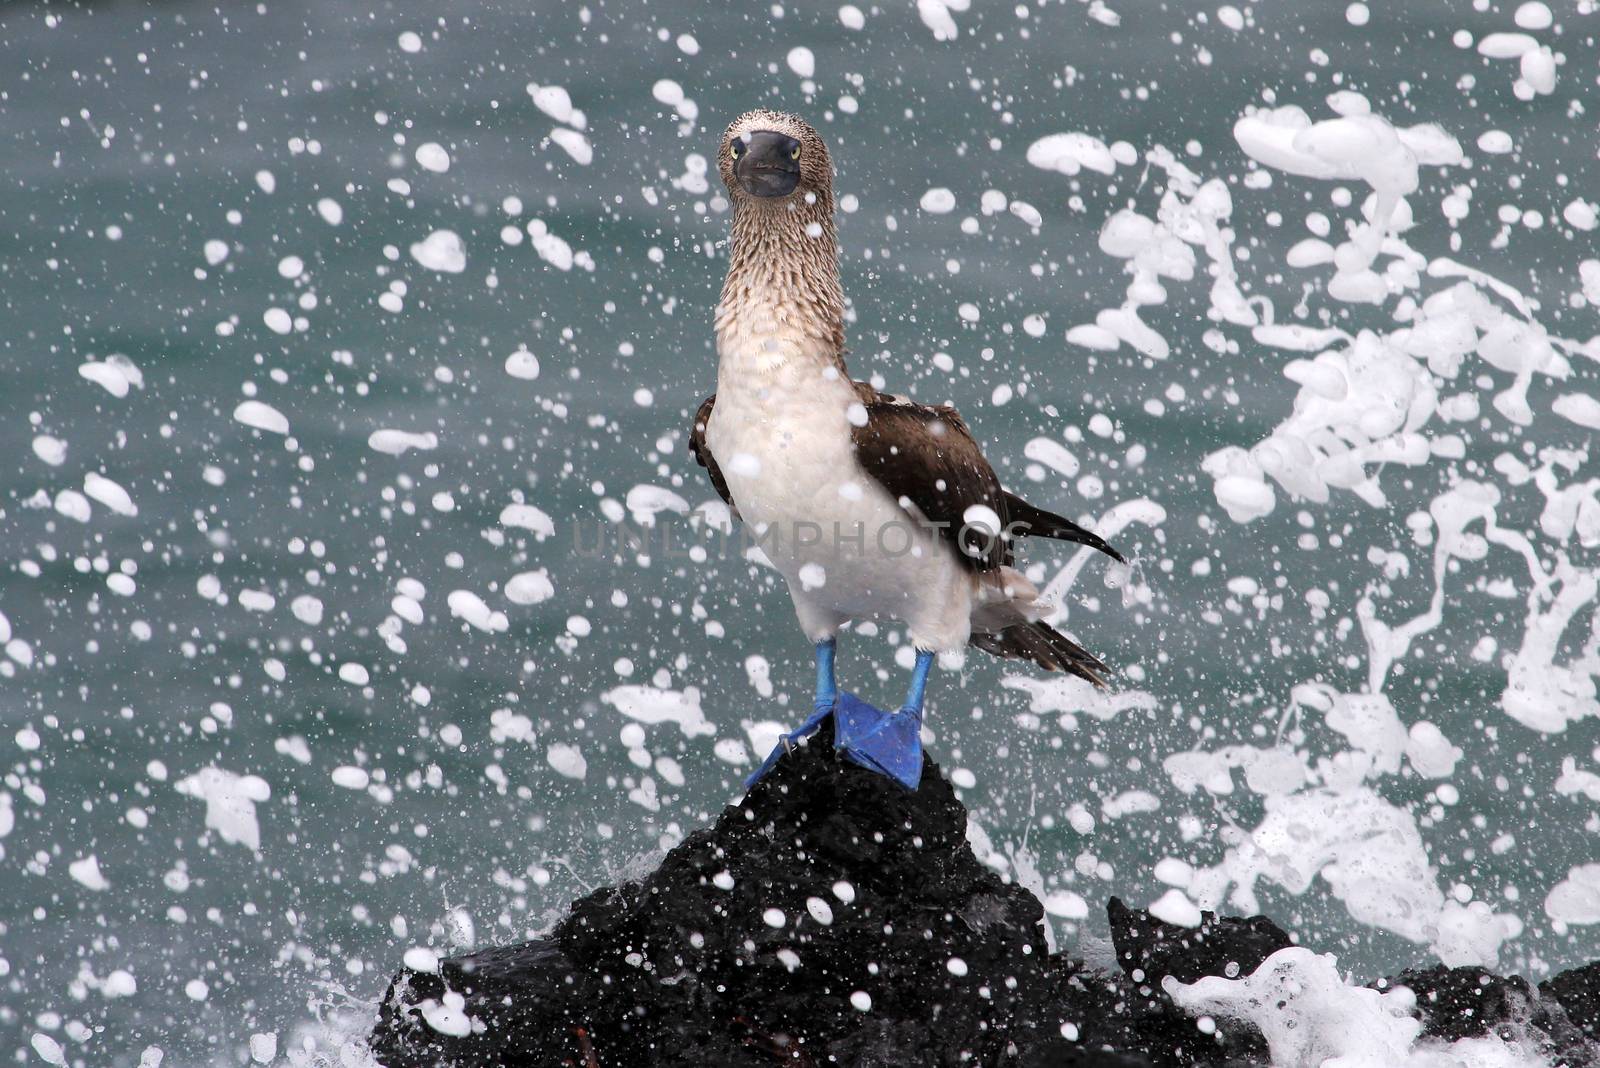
<point>702,454</point>
<point>1038,523</point>
<point>1043,645</point>
<point>926,458</point>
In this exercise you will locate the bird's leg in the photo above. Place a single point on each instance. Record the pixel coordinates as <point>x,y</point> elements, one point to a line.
<point>889,743</point>
<point>827,688</point>
<point>919,683</point>
<point>822,705</point>
<point>826,697</point>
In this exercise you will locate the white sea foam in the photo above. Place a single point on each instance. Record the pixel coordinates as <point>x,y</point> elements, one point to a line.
<point>441,251</point>
<point>110,494</point>
<point>307,609</point>
<point>116,374</point>
<point>527,517</point>
<point>261,416</point>
<point>1576,899</point>
<point>1070,694</point>
<point>397,442</point>
<point>574,144</point>
<point>74,505</point>
<point>936,15</point>
<point>1069,153</point>
<point>1311,1015</point>
<point>1192,214</point>
<point>530,587</point>
<point>646,502</point>
<point>567,760</point>
<point>350,778</point>
<point>86,872</point>
<point>51,450</point>
<point>553,249</point>
<point>555,102</point>
<point>431,156</point>
<point>650,705</point>
<point>231,801</point>
<point>802,61</point>
<point>1308,1013</point>
<point>522,364</point>
<point>1371,398</point>
<point>468,606</point>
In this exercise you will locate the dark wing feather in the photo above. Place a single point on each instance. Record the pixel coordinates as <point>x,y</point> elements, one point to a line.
<point>926,457</point>
<point>1045,646</point>
<point>702,454</point>
<point>1038,523</point>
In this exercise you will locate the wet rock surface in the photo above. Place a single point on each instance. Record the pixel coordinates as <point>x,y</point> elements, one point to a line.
<point>1150,950</point>
<point>1457,1003</point>
<point>833,918</point>
<point>1578,991</point>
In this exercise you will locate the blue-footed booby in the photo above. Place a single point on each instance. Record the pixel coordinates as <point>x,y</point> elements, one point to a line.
<point>871,506</point>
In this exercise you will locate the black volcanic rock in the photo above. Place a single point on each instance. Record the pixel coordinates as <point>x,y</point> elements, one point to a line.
<point>1578,992</point>
<point>1149,949</point>
<point>757,941</point>
<point>879,895</point>
<point>1457,1003</point>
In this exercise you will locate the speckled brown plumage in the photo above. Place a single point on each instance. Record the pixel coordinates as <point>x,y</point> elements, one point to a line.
<point>788,245</point>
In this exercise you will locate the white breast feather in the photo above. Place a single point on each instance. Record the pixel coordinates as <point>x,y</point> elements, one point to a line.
<point>780,432</point>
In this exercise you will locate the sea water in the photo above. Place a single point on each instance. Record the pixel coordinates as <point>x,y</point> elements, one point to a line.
<point>336,341</point>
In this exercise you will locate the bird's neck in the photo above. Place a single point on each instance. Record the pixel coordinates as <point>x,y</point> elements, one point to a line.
<point>783,276</point>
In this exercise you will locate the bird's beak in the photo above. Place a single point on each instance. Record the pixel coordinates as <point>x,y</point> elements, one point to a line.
<point>768,164</point>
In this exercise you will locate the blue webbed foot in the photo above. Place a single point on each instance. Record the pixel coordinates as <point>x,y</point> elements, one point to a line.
<point>889,743</point>
<point>788,741</point>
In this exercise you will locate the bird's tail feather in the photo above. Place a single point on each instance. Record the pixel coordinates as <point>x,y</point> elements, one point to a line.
<point>1043,645</point>
<point>1038,523</point>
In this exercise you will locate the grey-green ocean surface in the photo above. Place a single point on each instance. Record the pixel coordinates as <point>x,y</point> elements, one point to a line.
<point>286,693</point>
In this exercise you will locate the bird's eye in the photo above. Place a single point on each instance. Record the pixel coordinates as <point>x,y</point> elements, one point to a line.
<point>734,149</point>
<point>794,153</point>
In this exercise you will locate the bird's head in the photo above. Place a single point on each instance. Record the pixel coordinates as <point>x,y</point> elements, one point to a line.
<point>768,157</point>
